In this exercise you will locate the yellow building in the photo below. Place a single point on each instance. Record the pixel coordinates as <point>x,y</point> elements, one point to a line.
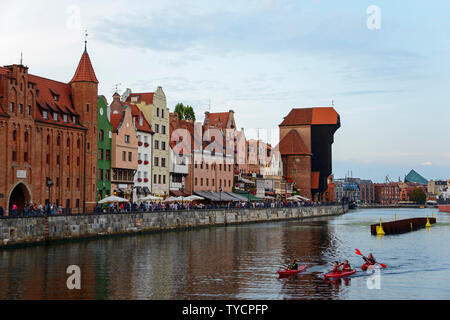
<point>154,107</point>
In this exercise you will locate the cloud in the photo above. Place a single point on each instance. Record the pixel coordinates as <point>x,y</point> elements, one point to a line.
<point>426,163</point>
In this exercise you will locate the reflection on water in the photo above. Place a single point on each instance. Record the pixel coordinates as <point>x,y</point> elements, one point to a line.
<point>238,262</point>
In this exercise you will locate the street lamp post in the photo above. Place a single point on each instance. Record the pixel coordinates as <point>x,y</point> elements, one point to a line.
<point>49,184</point>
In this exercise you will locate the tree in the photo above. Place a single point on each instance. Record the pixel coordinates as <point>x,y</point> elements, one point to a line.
<point>184,112</point>
<point>418,196</point>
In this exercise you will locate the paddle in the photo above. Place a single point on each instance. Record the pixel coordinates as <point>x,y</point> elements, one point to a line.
<point>360,254</point>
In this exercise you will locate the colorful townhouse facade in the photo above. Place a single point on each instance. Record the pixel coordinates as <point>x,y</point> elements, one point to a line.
<point>124,149</point>
<point>142,179</point>
<point>104,147</point>
<point>154,107</point>
<point>48,132</point>
<point>180,157</point>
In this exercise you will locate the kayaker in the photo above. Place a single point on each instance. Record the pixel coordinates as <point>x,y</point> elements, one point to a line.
<point>370,259</point>
<point>346,266</point>
<point>293,265</point>
<point>336,267</point>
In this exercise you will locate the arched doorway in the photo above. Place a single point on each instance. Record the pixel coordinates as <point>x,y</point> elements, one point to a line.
<point>19,196</point>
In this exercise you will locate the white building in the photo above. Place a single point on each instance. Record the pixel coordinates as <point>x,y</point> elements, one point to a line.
<point>143,177</point>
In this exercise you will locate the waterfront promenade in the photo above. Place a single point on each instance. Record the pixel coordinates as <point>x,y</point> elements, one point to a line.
<point>41,229</point>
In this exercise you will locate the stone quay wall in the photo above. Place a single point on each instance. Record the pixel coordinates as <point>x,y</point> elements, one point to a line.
<point>31,230</point>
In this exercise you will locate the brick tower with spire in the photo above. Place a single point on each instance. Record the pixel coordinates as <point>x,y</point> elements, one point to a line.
<point>84,85</point>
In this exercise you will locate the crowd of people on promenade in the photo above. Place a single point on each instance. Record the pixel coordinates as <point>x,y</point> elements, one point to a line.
<point>174,206</point>
<point>49,209</point>
<point>33,210</point>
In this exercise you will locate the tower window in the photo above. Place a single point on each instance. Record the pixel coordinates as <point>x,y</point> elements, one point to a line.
<point>87,107</point>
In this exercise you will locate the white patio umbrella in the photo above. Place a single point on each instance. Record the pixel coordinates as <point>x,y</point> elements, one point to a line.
<point>171,199</point>
<point>151,198</point>
<point>302,198</point>
<point>293,198</point>
<point>113,199</point>
<point>193,198</point>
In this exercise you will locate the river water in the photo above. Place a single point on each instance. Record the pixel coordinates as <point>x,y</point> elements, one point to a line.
<point>240,262</point>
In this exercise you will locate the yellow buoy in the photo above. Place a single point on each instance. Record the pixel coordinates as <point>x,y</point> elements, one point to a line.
<point>428,223</point>
<point>380,231</point>
<point>411,226</point>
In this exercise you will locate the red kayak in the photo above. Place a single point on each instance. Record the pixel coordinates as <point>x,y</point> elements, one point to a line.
<point>287,272</point>
<point>339,274</point>
<point>365,266</point>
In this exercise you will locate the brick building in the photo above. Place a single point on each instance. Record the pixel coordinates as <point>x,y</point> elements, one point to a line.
<point>387,193</point>
<point>306,136</point>
<point>48,131</point>
<point>367,192</point>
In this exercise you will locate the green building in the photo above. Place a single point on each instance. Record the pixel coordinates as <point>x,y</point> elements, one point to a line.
<point>104,150</point>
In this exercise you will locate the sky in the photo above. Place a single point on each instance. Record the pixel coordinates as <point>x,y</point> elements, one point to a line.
<point>385,69</point>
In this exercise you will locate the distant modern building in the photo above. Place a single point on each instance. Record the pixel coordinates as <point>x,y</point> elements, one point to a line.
<point>436,188</point>
<point>306,137</point>
<point>414,177</point>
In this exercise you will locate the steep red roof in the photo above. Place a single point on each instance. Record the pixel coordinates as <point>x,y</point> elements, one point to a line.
<point>311,116</point>
<point>116,119</point>
<point>85,71</point>
<point>47,89</point>
<point>292,143</point>
<point>137,114</point>
<point>218,119</point>
<point>142,97</point>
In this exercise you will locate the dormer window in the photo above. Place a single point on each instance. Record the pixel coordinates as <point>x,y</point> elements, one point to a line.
<point>44,114</point>
<point>74,120</point>
<point>55,116</point>
<point>134,99</point>
<point>141,121</point>
<point>65,118</point>
<point>56,97</point>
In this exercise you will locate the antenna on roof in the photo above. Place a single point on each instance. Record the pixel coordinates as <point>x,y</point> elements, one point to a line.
<point>85,41</point>
<point>209,106</point>
<point>21,58</point>
<point>332,103</point>
<point>116,87</point>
